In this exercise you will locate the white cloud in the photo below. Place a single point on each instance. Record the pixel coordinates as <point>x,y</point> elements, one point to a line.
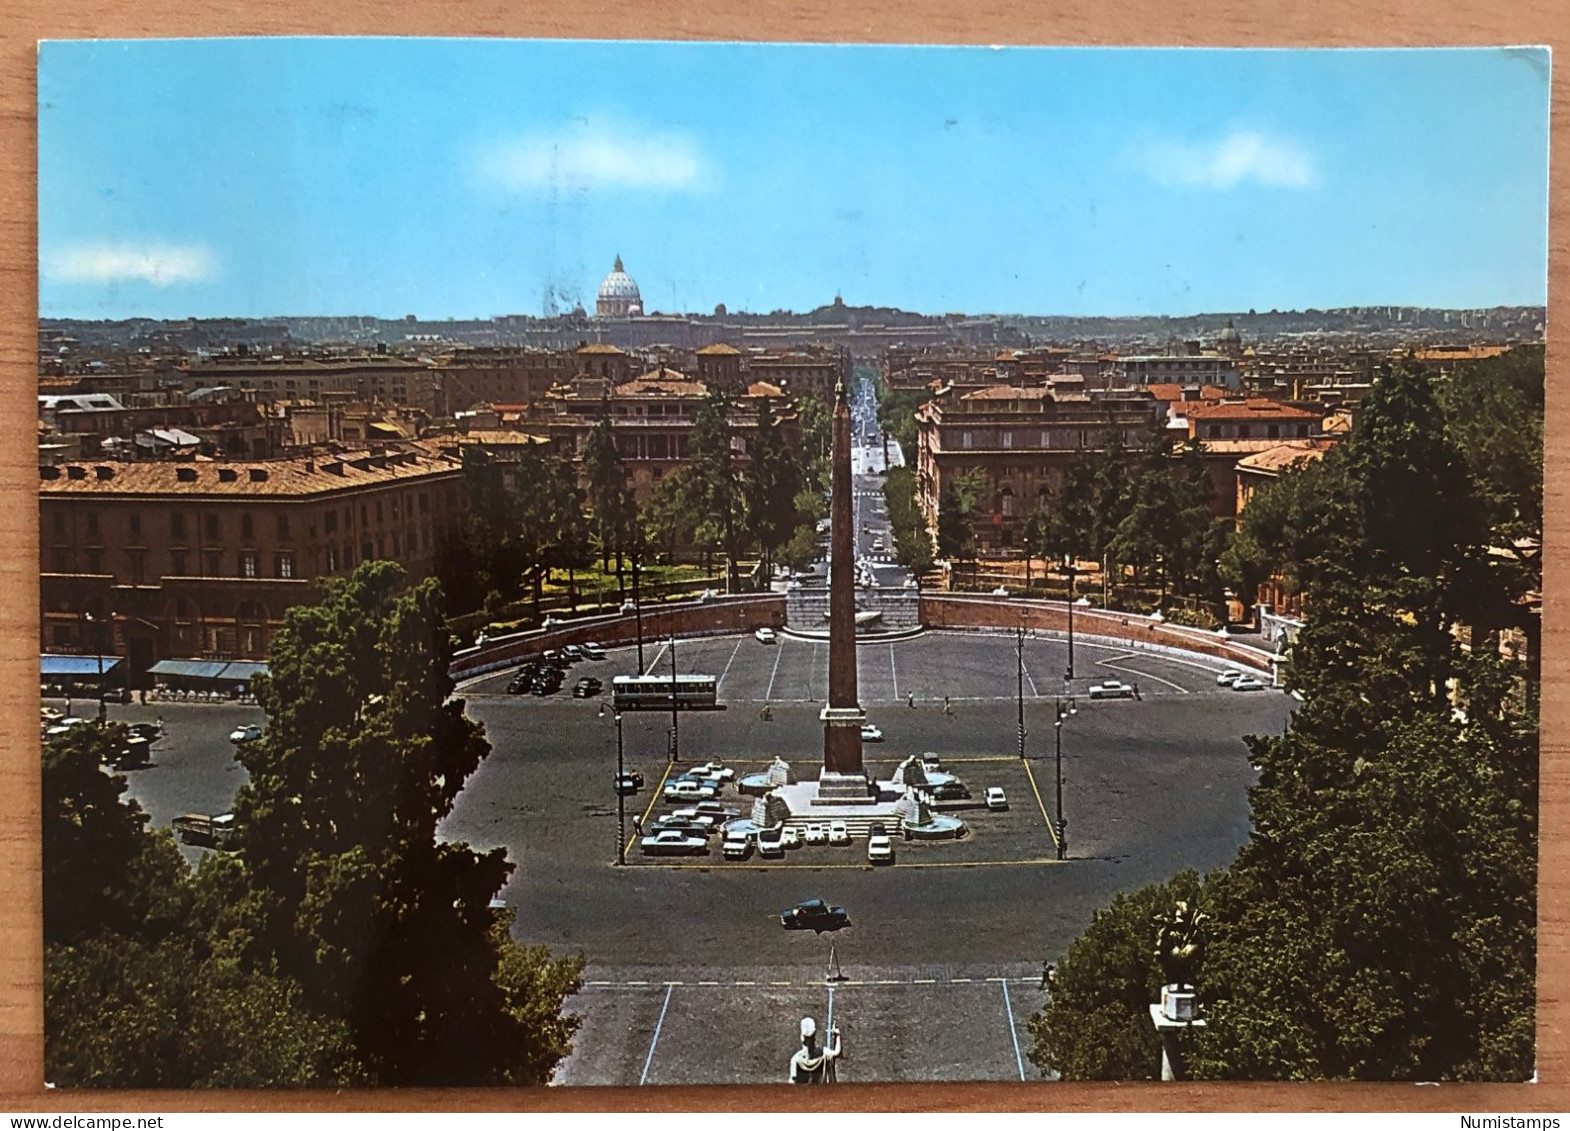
<point>1241,157</point>
<point>160,264</point>
<point>596,155</point>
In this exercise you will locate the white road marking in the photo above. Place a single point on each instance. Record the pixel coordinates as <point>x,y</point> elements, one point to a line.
<point>894,671</point>
<point>728,663</point>
<point>779,650</point>
<point>1008,1008</point>
<point>1028,677</point>
<point>828,1022</point>
<point>656,1039</point>
<point>655,662</point>
<point>1137,671</point>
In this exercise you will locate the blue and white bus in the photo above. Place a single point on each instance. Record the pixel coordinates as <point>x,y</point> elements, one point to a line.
<point>653,692</point>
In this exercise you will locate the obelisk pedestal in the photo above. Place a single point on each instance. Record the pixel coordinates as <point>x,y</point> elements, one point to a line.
<point>843,778</point>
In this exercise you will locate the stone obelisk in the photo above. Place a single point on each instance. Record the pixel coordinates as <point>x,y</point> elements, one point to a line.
<point>843,778</point>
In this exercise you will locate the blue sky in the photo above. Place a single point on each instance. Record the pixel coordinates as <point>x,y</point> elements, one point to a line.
<point>470,178</point>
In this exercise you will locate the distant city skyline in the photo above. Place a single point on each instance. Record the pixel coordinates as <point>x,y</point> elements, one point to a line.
<point>475,178</point>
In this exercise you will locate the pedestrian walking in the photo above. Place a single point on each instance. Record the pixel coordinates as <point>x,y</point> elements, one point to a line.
<point>947,710</point>
<point>910,700</point>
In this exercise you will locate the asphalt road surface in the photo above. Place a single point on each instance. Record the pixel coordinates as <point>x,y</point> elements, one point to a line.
<point>691,977</point>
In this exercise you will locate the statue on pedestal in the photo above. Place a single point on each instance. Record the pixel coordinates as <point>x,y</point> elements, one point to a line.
<point>811,1064</point>
<point>1180,945</point>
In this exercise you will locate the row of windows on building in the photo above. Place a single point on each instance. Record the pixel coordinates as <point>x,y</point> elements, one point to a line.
<point>211,522</point>
<point>252,564</point>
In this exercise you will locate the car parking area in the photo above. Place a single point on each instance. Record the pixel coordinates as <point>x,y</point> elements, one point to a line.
<point>1021,833</point>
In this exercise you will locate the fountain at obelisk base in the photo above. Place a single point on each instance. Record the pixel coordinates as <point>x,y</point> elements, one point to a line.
<point>844,790</point>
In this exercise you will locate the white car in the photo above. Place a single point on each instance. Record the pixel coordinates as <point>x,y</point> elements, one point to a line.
<point>880,850</point>
<point>737,845</point>
<point>815,834</point>
<point>1111,689</point>
<point>1228,677</point>
<point>1248,683</point>
<point>771,842</point>
<point>790,837</point>
<point>247,733</point>
<point>688,791</point>
<point>996,799</point>
<point>766,636</point>
<point>838,833</point>
<point>64,726</point>
<point>714,771</point>
<point>593,651</point>
<point>870,733</point>
<point>673,842</point>
<point>931,761</point>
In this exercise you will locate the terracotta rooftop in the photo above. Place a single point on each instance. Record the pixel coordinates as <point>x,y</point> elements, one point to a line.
<point>499,436</point>
<point>1171,391</point>
<point>321,474</point>
<point>1255,408</point>
<point>1009,393</point>
<point>764,389</point>
<point>599,347</point>
<point>1273,461</point>
<point>662,382</point>
<point>1460,353</point>
<point>719,349</point>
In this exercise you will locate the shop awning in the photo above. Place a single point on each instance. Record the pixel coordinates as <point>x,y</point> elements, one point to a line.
<point>242,671</point>
<point>76,665</point>
<point>189,669</point>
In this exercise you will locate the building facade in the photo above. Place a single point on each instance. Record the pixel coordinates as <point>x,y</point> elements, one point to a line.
<point>165,560</point>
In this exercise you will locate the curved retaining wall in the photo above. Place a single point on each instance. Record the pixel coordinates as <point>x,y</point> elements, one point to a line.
<point>713,617</point>
<point>956,610</point>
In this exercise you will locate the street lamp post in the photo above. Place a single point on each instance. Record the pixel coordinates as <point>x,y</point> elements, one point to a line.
<point>98,647</point>
<point>637,603</point>
<point>675,731</point>
<point>1020,650</point>
<point>1065,708</point>
<point>1071,570</point>
<point>621,800</point>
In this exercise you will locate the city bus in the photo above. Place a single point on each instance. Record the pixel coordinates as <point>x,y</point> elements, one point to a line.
<point>653,692</point>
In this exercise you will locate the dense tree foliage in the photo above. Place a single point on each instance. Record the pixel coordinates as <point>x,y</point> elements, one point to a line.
<point>342,942</point>
<point>912,541</point>
<point>1380,923</point>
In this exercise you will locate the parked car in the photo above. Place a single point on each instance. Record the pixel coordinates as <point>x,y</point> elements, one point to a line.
<point>1111,689</point>
<point>1249,683</point>
<point>766,636</point>
<point>518,684</point>
<point>673,842</point>
<point>117,695</point>
<point>737,845</point>
<point>64,726</point>
<point>687,791</point>
<point>771,842</point>
<point>949,791</point>
<point>838,833</point>
<point>790,837</point>
<point>593,651</point>
<point>930,761</point>
<point>694,826</point>
<point>150,731</point>
<point>629,782</point>
<point>711,808</point>
<point>249,732</point>
<point>814,915</point>
<point>136,752</point>
<point>586,687</point>
<point>1228,677</point>
<point>870,733</point>
<point>877,828</point>
<point>572,653</point>
<point>714,771</point>
<point>880,850</point>
<point>815,834</point>
<point>996,799</point>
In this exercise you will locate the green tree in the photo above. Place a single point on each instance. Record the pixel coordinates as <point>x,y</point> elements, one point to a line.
<point>714,490</point>
<point>773,482</point>
<point>959,504</point>
<point>912,540</point>
<point>346,888</point>
<point>610,499</point>
<point>1380,921</point>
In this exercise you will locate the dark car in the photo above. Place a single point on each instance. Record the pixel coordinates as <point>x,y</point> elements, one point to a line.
<point>629,782</point>
<point>586,687</point>
<point>150,731</point>
<point>949,791</point>
<point>519,684</point>
<point>877,829</point>
<point>814,915</point>
<point>545,686</point>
